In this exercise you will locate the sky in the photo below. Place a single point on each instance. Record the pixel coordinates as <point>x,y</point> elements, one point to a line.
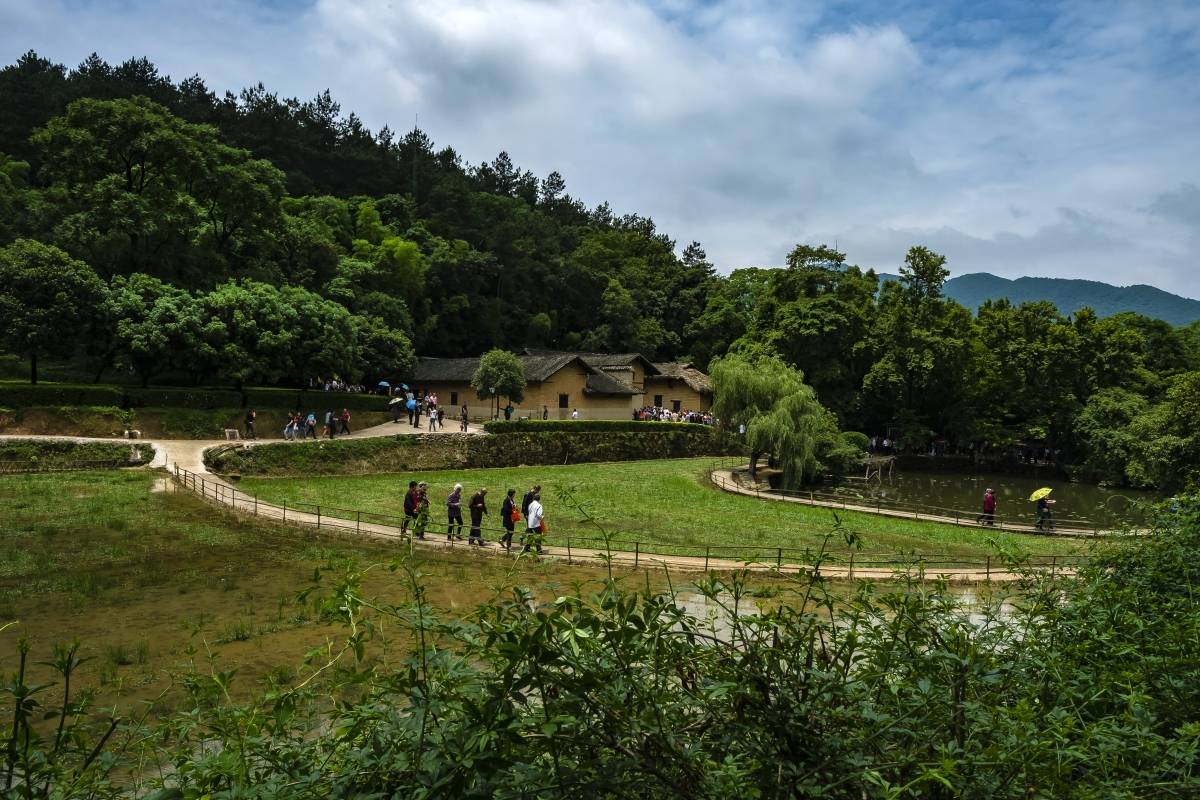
<point>1053,139</point>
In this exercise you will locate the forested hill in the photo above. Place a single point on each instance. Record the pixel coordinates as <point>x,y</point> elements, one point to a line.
<point>1070,295</point>
<point>158,228</point>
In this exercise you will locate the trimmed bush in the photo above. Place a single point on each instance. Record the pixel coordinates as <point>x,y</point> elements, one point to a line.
<point>313,400</point>
<point>265,397</point>
<point>43,454</point>
<point>589,426</point>
<point>451,451</point>
<point>182,397</point>
<point>24,395</point>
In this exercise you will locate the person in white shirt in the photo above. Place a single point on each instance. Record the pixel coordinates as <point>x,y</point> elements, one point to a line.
<point>574,413</point>
<point>533,519</point>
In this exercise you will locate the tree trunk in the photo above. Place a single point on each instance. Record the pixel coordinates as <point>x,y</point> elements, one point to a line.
<point>33,368</point>
<point>100,372</point>
<point>754,456</point>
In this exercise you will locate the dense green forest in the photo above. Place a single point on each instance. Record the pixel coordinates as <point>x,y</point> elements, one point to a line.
<point>159,228</point>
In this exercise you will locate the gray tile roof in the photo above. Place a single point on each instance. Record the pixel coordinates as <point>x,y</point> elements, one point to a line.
<point>674,370</point>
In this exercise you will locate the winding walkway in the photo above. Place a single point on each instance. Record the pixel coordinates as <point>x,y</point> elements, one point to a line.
<point>725,479</point>
<point>184,460</point>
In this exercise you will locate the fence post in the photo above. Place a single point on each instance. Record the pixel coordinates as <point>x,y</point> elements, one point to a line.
<point>989,569</point>
<point>851,575</point>
<point>779,557</point>
<point>285,510</point>
<point>358,521</point>
<point>707,548</point>
<point>256,505</point>
<point>568,549</point>
<point>637,547</point>
<point>1053,565</point>
<point>318,518</point>
<point>203,489</point>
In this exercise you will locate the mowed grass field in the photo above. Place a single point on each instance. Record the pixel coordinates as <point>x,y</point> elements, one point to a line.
<point>666,506</point>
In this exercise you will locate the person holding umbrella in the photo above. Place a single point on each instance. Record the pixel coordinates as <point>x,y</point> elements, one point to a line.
<point>1044,520</point>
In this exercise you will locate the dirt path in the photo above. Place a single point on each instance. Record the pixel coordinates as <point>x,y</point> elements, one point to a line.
<point>184,459</point>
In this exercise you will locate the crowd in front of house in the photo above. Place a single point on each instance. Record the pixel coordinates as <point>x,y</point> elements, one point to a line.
<point>660,414</point>
<point>529,512</point>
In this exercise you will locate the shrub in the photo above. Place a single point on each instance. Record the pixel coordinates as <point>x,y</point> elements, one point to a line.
<point>589,426</point>
<point>24,395</point>
<point>183,397</point>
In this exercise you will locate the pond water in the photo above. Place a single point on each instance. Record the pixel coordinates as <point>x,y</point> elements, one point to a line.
<point>1076,502</point>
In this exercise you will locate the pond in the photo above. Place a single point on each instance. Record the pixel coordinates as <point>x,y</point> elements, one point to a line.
<point>1076,502</point>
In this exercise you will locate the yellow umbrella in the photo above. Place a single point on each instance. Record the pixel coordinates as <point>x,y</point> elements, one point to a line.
<point>1040,493</point>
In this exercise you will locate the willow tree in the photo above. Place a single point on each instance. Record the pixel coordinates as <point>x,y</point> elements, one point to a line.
<point>781,414</point>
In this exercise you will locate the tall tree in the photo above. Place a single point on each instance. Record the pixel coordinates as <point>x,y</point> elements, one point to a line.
<point>46,298</point>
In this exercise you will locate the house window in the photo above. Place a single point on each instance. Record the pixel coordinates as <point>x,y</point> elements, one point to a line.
<point>454,398</point>
<point>564,401</point>
<point>674,405</point>
<point>658,401</point>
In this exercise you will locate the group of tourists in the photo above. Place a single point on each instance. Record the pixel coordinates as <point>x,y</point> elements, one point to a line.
<point>334,384</point>
<point>303,426</point>
<point>417,406</point>
<point>416,515</point>
<point>660,414</point>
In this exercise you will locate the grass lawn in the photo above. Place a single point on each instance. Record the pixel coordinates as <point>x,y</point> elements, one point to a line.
<point>667,506</point>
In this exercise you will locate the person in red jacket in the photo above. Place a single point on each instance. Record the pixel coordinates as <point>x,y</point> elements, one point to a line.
<point>988,516</point>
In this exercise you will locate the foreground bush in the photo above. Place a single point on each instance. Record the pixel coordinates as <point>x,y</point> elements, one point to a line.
<point>1087,688</point>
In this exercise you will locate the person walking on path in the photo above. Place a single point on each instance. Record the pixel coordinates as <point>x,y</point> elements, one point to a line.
<point>421,522</point>
<point>477,507</point>
<point>528,498</point>
<point>433,418</point>
<point>463,423</point>
<point>508,518</point>
<point>310,425</point>
<point>508,411</point>
<point>250,415</point>
<point>989,509</point>
<point>1044,520</point>
<point>417,414</point>
<point>289,428</point>
<point>545,412</point>
<point>574,413</point>
<point>535,520</point>
<point>345,420</point>
<point>454,513</point>
<point>329,423</point>
<point>410,507</point>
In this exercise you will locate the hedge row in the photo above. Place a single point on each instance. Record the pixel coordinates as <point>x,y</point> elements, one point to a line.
<point>59,454</point>
<point>24,395</point>
<point>588,426</point>
<point>454,451</point>
<point>21,395</point>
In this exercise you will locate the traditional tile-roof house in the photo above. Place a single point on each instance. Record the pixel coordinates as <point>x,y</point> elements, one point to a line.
<point>678,386</point>
<point>557,383</point>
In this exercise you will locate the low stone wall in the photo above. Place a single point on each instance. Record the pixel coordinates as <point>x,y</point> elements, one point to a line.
<point>457,451</point>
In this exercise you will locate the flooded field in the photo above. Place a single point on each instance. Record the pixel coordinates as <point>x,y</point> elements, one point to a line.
<point>156,584</point>
<point>1076,502</point>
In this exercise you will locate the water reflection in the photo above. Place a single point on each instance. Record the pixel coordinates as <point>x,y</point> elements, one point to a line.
<point>1109,508</point>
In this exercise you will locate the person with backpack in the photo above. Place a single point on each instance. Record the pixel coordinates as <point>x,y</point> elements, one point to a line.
<point>454,513</point>
<point>477,507</point>
<point>509,514</point>
<point>250,415</point>
<point>410,507</point>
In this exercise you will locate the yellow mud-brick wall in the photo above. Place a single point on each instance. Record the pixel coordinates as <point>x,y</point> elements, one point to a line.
<point>673,389</point>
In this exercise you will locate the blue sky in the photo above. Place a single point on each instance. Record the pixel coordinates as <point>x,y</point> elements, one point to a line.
<point>1018,138</point>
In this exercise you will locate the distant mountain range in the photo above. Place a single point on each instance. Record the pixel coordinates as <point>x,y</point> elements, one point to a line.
<point>1070,295</point>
